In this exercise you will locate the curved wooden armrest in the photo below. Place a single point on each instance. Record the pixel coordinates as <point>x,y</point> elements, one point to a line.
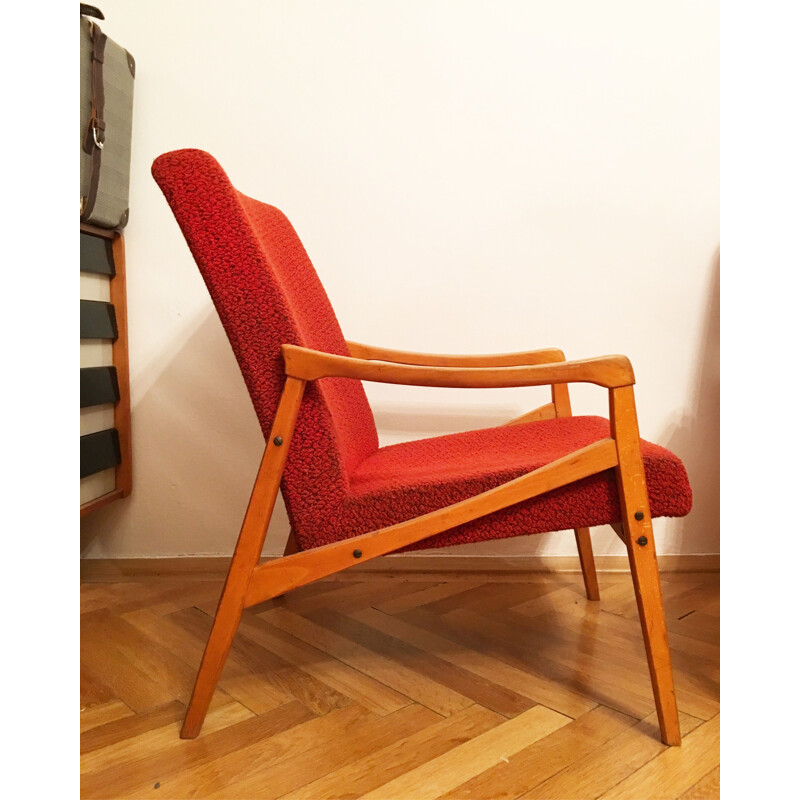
<point>608,371</point>
<point>530,358</point>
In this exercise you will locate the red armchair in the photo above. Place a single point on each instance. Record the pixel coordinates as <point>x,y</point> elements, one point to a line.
<point>349,500</point>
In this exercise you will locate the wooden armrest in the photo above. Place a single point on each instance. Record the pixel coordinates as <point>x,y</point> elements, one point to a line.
<point>371,353</point>
<point>608,371</point>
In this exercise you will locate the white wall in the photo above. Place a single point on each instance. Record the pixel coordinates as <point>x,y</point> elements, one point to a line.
<point>467,177</point>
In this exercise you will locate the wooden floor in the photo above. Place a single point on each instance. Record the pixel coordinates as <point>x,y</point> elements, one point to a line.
<point>407,686</point>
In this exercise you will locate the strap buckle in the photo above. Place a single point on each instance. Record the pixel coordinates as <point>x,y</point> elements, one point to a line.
<point>99,141</point>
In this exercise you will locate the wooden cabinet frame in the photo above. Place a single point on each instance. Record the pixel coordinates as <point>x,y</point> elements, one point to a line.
<point>122,408</point>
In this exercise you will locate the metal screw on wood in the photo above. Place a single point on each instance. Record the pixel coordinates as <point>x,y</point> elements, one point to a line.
<point>277,441</point>
<point>356,554</point>
<point>642,541</point>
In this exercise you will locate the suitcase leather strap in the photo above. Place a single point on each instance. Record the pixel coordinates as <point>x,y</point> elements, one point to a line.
<point>95,136</point>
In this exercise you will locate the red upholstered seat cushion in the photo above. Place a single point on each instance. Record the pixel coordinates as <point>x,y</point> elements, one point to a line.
<point>405,480</point>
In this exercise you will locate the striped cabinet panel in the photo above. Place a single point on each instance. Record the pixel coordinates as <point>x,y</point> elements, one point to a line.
<point>105,428</point>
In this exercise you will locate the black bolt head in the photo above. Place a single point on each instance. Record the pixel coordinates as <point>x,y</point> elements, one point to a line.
<point>642,541</point>
<point>277,441</point>
<point>639,515</point>
<point>356,554</point>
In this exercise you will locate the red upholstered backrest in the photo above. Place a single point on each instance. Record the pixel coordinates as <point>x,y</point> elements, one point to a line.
<point>267,294</point>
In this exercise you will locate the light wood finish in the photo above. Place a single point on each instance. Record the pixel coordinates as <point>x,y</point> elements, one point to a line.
<point>310,365</point>
<point>448,771</point>
<point>547,411</point>
<point>103,715</point>
<point>706,787</point>
<point>530,358</point>
<point>427,636</point>
<point>363,689</point>
<point>560,395</point>
<point>642,552</point>
<point>534,764</point>
<point>583,539</point>
<point>355,741</point>
<point>409,682</point>
<point>603,768</point>
<point>441,566</point>
<point>122,408</point>
<point>245,557</point>
<point>486,692</point>
<point>577,663</point>
<point>673,772</point>
<point>586,555</point>
<point>129,664</point>
<point>382,765</point>
<point>99,502</point>
<point>278,577</point>
<point>250,584</point>
<point>123,472</point>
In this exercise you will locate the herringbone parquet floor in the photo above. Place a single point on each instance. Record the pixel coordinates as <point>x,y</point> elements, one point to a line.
<point>400,687</point>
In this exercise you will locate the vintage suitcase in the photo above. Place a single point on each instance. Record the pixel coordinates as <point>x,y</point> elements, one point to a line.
<point>107,75</point>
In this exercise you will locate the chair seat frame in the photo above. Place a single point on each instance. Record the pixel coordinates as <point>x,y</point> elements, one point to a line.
<point>249,583</point>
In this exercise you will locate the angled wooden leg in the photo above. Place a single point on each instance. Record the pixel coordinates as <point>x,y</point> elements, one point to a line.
<point>584,542</point>
<point>245,558</point>
<point>563,408</point>
<point>638,530</point>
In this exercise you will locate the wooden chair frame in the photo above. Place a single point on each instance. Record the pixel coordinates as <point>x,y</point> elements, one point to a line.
<point>249,583</point>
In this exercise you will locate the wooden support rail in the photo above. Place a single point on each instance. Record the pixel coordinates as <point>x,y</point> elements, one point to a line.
<point>276,577</point>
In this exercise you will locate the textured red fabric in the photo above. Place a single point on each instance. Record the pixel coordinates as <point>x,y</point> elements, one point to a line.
<point>267,294</point>
<point>337,482</point>
<point>431,473</point>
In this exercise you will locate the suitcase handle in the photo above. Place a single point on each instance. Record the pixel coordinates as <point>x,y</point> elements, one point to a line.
<point>91,11</point>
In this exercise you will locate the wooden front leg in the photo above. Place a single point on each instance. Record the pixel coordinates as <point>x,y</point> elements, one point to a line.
<point>245,558</point>
<point>638,530</point>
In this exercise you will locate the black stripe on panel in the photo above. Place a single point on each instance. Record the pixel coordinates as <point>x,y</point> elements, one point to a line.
<point>98,385</point>
<point>98,320</point>
<point>96,255</point>
<point>99,451</point>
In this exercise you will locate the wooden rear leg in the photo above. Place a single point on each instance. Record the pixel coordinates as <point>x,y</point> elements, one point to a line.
<point>638,529</point>
<point>245,558</point>
<point>563,408</point>
<point>584,542</point>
